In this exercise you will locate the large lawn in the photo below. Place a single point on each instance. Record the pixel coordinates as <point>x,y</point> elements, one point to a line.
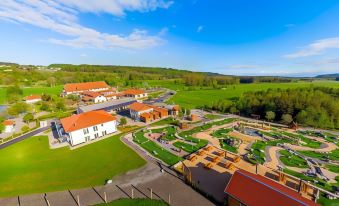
<point>32,90</point>
<point>200,97</point>
<point>31,167</point>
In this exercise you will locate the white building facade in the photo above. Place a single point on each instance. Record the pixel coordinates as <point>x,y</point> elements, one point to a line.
<point>90,133</point>
<point>87,126</point>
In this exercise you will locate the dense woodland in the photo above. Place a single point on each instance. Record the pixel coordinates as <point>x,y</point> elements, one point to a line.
<point>316,107</point>
<point>57,74</point>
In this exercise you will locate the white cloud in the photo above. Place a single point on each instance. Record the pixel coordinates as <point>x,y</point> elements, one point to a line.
<point>200,28</point>
<point>163,31</point>
<point>61,16</point>
<point>316,48</point>
<point>115,7</point>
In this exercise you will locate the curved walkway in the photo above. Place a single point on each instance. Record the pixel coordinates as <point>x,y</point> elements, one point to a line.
<point>272,157</point>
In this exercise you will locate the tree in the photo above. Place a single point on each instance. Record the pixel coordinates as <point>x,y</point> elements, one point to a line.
<point>24,128</point>
<point>123,121</point>
<point>51,81</point>
<point>44,106</point>
<point>286,118</point>
<point>46,97</point>
<point>14,94</point>
<point>2,127</point>
<point>270,116</point>
<point>17,108</point>
<point>60,105</point>
<point>28,117</point>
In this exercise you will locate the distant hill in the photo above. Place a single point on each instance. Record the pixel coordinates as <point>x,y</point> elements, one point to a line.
<point>327,76</point>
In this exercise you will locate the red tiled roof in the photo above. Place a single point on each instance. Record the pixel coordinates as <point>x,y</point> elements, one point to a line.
<point>33,97</point>
<point>146,115</point>
<point>91,94</point>
<point>84,120</point>
<point>8,122</point>
<point>158,109</point>
<point>136,106</point>
<point>134,91</point>
<point>256,190</point>
<point>74,87</point>
<point>114,95</point>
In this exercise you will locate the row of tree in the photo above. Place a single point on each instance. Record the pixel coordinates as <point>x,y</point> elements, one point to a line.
<point>316,107</point>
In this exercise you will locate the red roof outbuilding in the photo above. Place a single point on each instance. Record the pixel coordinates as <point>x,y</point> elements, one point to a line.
<point>255,190</point>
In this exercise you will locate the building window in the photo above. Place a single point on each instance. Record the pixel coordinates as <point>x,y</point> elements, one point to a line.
<point>95,128</point>
<point>85,131</point>
<point>87,138</point>
<point>102,125</point>
<point>96,135</point>
<point>104,133</point>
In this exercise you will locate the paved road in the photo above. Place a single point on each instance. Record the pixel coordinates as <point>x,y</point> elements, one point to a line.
<point>27,135</point>
<point>162,98</point>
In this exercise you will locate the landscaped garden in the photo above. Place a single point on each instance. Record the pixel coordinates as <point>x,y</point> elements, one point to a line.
<point>292,160</point>
<point>186,146</point>
<point>155,149</point>
<point>221,133</point>
<point>30,166</point>
<point>307,142</point>
<point>168,133</point>
<point>333,155</point>
<point>258,148</point>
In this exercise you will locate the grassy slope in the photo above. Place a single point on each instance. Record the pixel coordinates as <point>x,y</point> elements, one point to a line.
<point>30,166</point>
<point>191,99</point>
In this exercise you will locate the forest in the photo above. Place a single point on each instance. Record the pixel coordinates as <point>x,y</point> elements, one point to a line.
<point>57,74</point>
<point>315,107</point>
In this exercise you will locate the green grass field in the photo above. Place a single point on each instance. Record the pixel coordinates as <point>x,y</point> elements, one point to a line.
<point>292,160</point>
<point>169,133</point>
<point>135,202</point>
<point>156,150</point>
<point>186,146</point>
<point>33,90</point>
<point>31,167</point>
<point>192,99</point>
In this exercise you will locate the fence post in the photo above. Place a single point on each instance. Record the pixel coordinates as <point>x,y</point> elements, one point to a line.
<point>132,193</point>
<point>151,194</point>
<point>78,198</point>
<point>169,199</point>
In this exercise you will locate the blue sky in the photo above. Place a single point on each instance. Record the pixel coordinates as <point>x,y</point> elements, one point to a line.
<point>238,37</point>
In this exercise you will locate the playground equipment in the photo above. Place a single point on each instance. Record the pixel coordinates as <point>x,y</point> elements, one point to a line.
<point>230,166</point>
<point>222,154</point>
<point>208,165</point>
<point>216,159</point>
<point>282,177</point>
<point>201,153</point>
<point>209,148</point>
<point>193,158</point>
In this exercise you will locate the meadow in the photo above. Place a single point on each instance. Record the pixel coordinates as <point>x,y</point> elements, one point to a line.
<point>31,167</point>
<point>32,90</point>
<point>203,96</point>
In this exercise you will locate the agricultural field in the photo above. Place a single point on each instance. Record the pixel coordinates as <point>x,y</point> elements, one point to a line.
<point>43,170</point>
<point>200,97</point>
